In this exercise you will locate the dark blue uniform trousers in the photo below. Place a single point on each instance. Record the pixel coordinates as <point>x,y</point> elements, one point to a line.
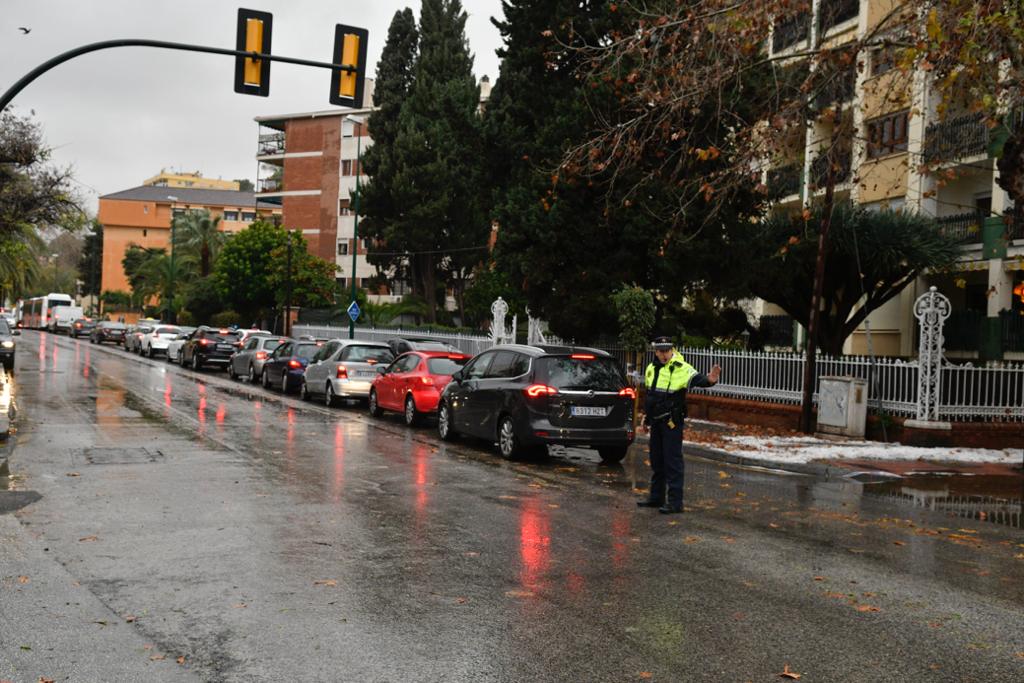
<point>666,455</point>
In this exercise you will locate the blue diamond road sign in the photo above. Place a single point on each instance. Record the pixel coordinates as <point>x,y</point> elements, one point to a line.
<point>353,311</point>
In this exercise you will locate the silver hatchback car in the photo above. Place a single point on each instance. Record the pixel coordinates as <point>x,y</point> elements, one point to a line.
<point>248,361</point>
<point>344,368</point>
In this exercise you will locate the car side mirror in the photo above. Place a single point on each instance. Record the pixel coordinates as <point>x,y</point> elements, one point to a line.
<point>382,369</point>
<point>15,332</point>
<point>457,376</point>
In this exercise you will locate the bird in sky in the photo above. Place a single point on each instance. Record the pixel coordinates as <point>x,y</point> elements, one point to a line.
<point>24,30</point>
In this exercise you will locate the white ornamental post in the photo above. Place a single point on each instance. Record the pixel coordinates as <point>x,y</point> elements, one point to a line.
<point>499,309</point>
<point>931,309</point>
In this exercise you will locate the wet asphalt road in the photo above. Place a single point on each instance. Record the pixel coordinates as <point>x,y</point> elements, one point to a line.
<point>263,539</point>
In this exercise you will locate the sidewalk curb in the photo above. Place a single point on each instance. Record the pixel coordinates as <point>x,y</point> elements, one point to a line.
<point>809,469</point>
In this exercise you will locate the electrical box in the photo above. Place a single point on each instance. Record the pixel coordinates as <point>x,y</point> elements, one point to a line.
<point>843,406</point>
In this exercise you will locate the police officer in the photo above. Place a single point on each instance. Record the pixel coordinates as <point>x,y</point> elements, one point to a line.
<point>666,380</point>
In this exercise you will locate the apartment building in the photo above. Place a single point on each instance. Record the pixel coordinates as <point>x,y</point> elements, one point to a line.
<point>896,131</point>
<point>308,163</point>
<point>142,216</point>
<point>194,180</point>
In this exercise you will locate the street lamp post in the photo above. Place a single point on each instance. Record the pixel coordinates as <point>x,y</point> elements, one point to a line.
<point>170,292</point>
<point>355,229</point>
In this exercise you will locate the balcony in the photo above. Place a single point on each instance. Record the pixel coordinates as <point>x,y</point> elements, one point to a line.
<point>270,185</point>
<point>841,163</point>
<point>271,144</point>
<point>790,31</point>
<point>839,87</point>
<point>958,138</point>
<point>835,12</point>
<point>784,181</point>
<point>965,227</point>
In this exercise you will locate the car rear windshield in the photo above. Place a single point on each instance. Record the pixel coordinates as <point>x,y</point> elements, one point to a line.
<point>431,346</point>
<point>580,374</point>
<point>306,351</point>
<point>113,326</point>
<point>167,330</point>
<point>361,354</point>
<point>271,344</point>
<point>229,337</point>
<point>445,366</point>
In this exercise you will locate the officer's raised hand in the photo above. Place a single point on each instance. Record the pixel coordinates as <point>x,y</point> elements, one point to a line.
<point>716,372</point>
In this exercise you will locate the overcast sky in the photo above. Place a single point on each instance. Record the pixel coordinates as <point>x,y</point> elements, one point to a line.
<point>120,115</point>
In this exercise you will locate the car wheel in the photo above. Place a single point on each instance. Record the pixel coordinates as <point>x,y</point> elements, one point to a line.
<point>303,391</point>
<point>252,375</point>
<point>9,367</point>
<point>91,340</point>
<point>508,442</point>
<point>612,455</point>
<point>445,427</point>
<point>196,363</point>
<point>284,382</point>
<point>231,371</point>
<point>412,416</point>
<point>265,379</point>
<point>330,400</point>
<point>372,405</point>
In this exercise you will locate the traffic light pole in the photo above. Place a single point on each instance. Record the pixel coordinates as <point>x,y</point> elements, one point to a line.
<point>132,42</point>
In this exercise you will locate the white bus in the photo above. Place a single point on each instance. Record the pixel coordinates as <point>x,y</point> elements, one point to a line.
<point>37,312</point>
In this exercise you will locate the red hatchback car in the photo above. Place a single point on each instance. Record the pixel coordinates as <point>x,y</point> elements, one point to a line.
<point>412,384</point>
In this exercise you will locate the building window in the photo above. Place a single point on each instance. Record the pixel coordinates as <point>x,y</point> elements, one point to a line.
<point>882,59</point>
<point>248,216</point>
<point>342,248</point>
<point>231,215</point>
<point>349,167</point>
<point>343,207</point>
<point>887,135</point>
<point>145,233</point>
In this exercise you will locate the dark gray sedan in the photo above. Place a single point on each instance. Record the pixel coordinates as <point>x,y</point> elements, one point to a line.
<point>248,361</point>
<point>7,344</point>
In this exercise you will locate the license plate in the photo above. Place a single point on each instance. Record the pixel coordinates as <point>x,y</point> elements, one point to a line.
<point>589,411</point>
<point>365,373</point>
<point>224,347</point>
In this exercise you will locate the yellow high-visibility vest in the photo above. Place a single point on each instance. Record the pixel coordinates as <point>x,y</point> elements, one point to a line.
<point>675,375</point>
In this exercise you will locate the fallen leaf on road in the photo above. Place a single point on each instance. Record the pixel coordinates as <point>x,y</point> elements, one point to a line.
<point>461,601</point>
<point>838,596</point>
<point>23,579</point>
<point>935,624</point>
<point>157,658</point>
<point>646,674</point>
<point>89,539</point>
<point>968,531</point>
<point>73,474</point>
<point>723,475</point>
<point>786,673</point>
<point>100,622</point>
<point>325,582</point>
<point>773,525</point>
<point>26,648</point>
<point>472,553</point>
<point>129,618</point>
<point>1019,655</point>
<point>554,506</point>
<point>898,543</point>
<point>691,539</point>
<point>44,679</point>
<point>728,539</point>
<point>1019,556</point>
<point>725,486</point>
<point>147,647</point>
<point>819,578</point>
<point>181,659</point>
<point>240,605</point>
<point>868,608</point>
<point>508,498</point>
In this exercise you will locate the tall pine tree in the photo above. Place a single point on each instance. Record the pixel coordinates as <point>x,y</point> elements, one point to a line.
<point>395,72</point>
<point>438,157</point>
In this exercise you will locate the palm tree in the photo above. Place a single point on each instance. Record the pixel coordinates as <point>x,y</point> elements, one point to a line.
<point>20,268</point>
<point>197,233</point>
<point>163,276</point>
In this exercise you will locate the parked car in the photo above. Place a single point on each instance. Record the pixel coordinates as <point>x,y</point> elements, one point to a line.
<point>400,345</point>
<point>413,383</point>
<point>108,331</point>
<point>344,368</point>
<point>7,344</point>
<point>248,361</point>
<point>209,346</point>
<point>158,339</point>
<point>286,364</point>
<point>526,397</point>
<point>135,333</point>
<point>243,335</point>
<point>63,317</point>
<point>174,346</point>
<point>82,327</point>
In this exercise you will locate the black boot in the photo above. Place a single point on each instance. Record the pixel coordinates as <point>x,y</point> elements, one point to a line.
<point>649,503</point>
<point>671,510</point>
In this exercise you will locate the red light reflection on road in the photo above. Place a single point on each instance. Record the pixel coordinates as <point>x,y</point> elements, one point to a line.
<point>202,408</point>
<point>167,392</point>
<point>421,456</point>
<point>42,352</point>
<point>534,543</point>
<point>221,412</point>
<point>257,426</point>
<point>289,446</point>
<point>88,362</point>
<point>621,533</point>
<point>339,463</point>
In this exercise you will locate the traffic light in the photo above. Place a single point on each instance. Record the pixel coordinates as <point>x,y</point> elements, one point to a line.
<point>350,50</point>
<point>252,76</point>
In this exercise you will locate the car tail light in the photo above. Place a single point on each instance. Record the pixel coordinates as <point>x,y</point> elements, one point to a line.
<point>294,364</point>
<point>79,325</point>
<point>204,342</point>
<point>371,361</point>
<point>428,381</point>
<point>535,390</point>
<point>238,344</point>
<point>582,356</point>
<point>342,372</point>
<point>261,355</point>
<point>223,331</point>
<point>628,391</point>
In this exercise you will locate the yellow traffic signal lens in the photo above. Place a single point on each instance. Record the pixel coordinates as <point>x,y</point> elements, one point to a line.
<point>349,57</point>
<point>253,43</point>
